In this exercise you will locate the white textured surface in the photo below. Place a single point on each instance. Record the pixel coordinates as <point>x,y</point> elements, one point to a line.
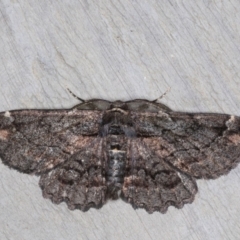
<point>119,50</point>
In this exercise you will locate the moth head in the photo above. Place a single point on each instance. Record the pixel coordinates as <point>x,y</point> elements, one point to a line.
<point>101,105</point>
<point>119,105</point>
<point>137,105</point>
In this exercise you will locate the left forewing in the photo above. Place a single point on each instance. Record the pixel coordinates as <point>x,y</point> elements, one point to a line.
<point>35,141</point>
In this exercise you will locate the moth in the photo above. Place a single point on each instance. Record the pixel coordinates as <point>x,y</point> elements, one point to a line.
<point>140,151</point>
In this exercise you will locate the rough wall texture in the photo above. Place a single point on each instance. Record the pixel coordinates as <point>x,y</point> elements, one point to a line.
<point>119,50</point>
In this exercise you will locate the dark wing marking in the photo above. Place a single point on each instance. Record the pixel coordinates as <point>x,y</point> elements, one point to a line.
<point>201,145</point>
<point>36,141</point>
<point>80,181</point>
<point>153,184</point>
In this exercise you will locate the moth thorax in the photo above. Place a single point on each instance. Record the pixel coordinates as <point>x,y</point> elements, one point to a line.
<point>115,129</point>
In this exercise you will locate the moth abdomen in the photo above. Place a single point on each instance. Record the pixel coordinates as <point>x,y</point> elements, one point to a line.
<point>115,171</point>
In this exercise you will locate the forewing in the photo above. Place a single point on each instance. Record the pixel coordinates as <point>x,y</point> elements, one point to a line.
<point>153,184</point>
<point>35,141</point>
<point>201,145</point>
<point>80,181</point>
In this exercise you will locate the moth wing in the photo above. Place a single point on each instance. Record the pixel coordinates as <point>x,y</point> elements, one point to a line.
<point>201,145</point>
<point>151,183</point>
<point>36,141</point>
<point>80,181</point>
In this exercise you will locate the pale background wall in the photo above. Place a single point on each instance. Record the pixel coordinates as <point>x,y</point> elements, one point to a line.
<point>119,50</point>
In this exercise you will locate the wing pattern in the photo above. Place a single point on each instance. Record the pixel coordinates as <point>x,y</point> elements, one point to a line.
<point>100,150</point>
<point>79,181</point>
<point>152,183</point>
<point>201,145</point>
<point>35,141</point>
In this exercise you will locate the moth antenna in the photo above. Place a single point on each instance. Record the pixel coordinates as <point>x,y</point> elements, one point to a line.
<point>156,100</point>
<point>80,99</point>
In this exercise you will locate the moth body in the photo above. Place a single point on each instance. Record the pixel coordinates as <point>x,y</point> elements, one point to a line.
<point>138,150</point>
